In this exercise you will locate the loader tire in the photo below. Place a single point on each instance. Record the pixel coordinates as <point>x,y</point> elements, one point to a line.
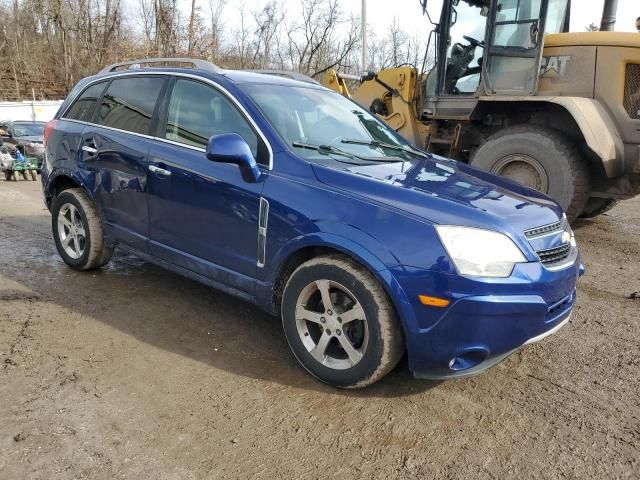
<point>597,206</point>
<point>540,158</point>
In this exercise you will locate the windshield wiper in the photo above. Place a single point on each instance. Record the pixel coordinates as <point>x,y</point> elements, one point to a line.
<point>329,149</point>
<point>326,149</point>
<point>390,146</point>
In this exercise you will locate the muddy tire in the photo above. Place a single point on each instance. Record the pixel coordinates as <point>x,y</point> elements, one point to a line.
<point>353,342</point>
<point>34,175</point>
<point>540,158</point>
<point>14,176</point>
<point>597,206</point>
<point>78,231</point>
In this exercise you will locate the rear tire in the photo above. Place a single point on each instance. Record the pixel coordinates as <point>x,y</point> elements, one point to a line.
<point>540,158</point>
<point>597,206</point>
<point>355,341</point>
<point>78,231</point>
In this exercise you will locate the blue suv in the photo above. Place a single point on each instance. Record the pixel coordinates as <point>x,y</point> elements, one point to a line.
<point>288,195</point>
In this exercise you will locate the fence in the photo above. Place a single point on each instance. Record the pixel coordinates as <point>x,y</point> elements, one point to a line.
<point>42,110</point>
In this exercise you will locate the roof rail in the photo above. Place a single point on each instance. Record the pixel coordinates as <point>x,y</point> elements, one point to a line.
<point>134,64</point>
<point>287,74</point>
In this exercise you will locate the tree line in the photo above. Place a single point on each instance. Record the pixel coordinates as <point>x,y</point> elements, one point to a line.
<point>46,46</point>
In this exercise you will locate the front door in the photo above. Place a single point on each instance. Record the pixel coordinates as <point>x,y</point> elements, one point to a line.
<point>203,216</point>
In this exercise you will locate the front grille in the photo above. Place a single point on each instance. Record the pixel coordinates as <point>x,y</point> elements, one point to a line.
<point>632,90</point>
<point>553,255</point>
<point>546,229</point>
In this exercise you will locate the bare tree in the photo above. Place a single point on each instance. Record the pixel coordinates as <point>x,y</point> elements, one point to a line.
<point>268,22</point>
<point>47,45</point>
<point>216,8</point>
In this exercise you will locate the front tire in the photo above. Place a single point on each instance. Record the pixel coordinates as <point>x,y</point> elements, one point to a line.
<point>78,232</point>
<point>340,323</point>
<point>540,158</point>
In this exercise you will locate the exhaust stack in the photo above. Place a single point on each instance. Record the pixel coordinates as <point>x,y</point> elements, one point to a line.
<point>609,15</point>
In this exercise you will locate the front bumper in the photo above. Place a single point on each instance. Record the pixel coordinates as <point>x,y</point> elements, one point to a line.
<point>487,320</point>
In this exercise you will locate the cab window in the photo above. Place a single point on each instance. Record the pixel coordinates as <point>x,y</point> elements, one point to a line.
<point>198,111</point>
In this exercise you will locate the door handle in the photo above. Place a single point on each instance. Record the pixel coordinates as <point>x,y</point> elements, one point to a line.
<point>88,149</point>
<point>159,171</point>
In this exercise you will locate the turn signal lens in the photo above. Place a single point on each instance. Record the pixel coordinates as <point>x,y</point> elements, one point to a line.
<point>433,301</point>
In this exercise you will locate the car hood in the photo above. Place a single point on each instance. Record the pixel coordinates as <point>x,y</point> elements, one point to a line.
<point>443,191</point>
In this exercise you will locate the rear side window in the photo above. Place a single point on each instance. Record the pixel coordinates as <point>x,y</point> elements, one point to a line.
<point>198,111</point>
<point>83,108</point>
<point>128,103</point>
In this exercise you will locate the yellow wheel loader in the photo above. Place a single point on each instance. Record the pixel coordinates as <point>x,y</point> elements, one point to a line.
<point>512,93</point>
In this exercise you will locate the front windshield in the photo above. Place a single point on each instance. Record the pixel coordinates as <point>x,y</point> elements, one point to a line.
<point>307,117</point>
<point>28,129</point>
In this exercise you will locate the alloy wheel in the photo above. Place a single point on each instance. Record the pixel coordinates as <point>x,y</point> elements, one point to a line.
<point>71,232</point>
<point>332,324</point>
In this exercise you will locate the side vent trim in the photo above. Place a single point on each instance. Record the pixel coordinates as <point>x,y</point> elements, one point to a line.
<point>263,219</point>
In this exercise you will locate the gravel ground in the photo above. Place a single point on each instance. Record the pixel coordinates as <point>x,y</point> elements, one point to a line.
<point>134,372</point>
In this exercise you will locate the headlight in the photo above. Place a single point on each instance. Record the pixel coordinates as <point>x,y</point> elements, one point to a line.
<point>568,236</point>
<point>480,253</point>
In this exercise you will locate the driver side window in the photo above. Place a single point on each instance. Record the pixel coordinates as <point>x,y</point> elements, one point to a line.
<point>198,111</point>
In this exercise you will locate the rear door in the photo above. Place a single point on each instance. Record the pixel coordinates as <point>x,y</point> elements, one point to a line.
<point>514,47</point>
<point>114,151</point>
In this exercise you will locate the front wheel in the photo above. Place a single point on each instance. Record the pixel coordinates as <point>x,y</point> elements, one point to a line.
<point>340,323</point>
<point>540,158</point>
<point>77,231</point>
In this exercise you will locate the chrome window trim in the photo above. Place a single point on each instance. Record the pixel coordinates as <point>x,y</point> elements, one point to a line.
<point>149,137</point>
<point>213,84</point>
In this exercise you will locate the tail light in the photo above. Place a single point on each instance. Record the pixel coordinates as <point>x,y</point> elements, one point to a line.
<point>47,130</point>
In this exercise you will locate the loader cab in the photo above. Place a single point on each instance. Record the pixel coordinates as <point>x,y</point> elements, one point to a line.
<point>486,47</point>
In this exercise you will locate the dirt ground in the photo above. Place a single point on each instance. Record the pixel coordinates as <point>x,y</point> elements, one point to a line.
<point>134,372</point>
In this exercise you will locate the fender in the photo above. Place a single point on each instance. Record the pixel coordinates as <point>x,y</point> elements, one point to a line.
<point>595,124</point>
<point>65,172</point>
<point>349,246</point>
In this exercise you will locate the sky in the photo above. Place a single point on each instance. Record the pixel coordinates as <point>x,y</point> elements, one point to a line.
<point>409,13</point>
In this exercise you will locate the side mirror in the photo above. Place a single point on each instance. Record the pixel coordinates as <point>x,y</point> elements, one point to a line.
<point>232,148</point>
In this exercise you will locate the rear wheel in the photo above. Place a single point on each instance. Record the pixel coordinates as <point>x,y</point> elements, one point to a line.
<point>340,323</point>
<point>597,206</point>
<point>77,231</point>
<point>539,158</point>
